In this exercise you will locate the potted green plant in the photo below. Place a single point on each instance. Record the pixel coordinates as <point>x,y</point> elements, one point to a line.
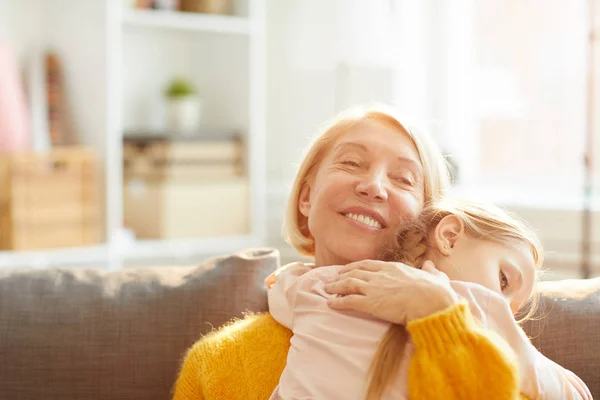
<point>184,108</point>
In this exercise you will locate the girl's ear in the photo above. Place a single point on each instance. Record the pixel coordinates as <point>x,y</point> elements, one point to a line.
<point>447,232</point>
<point>304,200</point>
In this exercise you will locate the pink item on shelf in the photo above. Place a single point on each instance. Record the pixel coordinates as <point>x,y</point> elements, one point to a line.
<point>14,119</point>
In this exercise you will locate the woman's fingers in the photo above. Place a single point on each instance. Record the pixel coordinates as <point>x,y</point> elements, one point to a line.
<point>354,302</point>
<point>347,286</point>
<point>365,265</point>
<point>358,274</point>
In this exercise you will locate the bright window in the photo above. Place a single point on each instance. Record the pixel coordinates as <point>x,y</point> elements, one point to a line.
<point>506,86</point>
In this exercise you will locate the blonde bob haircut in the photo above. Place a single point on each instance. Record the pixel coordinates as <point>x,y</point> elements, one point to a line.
<point>435,168</point>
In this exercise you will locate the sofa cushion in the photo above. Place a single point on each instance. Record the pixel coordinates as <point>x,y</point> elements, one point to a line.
<point>566,327</point>
<point>89,334</point>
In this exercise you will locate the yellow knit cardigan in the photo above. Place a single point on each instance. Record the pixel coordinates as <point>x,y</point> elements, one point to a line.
<point>453,359</point>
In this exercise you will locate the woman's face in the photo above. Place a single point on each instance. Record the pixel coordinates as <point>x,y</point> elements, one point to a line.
<point>369,183</point>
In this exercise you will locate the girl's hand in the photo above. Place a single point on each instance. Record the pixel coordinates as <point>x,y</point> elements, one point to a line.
<point>391,291</point>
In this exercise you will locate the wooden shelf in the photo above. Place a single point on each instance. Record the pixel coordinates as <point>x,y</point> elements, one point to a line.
<point>187,21</point>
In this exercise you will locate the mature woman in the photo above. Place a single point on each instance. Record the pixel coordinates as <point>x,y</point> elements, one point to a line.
<point>363,177</point>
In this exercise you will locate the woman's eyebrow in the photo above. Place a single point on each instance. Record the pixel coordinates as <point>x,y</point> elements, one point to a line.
<point>413,166</point>
<point>413,163</point>
<point>350,144</point>
<point>403,159</point>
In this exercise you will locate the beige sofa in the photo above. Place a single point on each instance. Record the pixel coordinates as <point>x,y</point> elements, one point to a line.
<point>89,334</point>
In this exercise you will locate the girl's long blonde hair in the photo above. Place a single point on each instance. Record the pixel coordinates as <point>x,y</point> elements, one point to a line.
<point>481,221</point>
<point>436,174</point>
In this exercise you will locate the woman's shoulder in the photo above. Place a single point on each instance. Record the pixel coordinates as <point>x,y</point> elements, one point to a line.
<point>249,351</point>
<point>240,332</point>
<point>252,336</point>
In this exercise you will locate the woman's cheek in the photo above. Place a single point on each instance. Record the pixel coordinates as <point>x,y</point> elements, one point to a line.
<point>408,207</point>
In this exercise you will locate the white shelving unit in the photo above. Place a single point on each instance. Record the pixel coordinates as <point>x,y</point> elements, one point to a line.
<point>186,22</point>
<point>117,61</point>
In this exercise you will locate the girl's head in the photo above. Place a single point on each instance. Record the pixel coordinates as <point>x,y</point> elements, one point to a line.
<point>475,242</point>
<point>468,241</point>
<point>363,176</point>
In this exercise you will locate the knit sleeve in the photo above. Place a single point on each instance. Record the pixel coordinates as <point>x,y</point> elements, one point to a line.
<point>539,376</point>
<point>241,360</point>
<point>455,359</point>
<point>188,386</point>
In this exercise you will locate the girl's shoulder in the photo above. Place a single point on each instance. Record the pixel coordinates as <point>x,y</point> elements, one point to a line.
<point>295,269</point>
<point>293,272</point>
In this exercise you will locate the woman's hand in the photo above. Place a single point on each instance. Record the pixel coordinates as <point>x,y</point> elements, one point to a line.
<point>391,291</point>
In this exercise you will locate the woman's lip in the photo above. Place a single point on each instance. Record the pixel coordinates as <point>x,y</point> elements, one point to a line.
<point>369,213</point>
<point>360,225</point>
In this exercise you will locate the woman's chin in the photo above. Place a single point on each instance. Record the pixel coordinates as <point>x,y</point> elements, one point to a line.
<point>348,246</point>
<point>354,253</point>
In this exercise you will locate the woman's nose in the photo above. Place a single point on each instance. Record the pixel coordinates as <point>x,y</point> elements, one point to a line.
<point>372,186</point>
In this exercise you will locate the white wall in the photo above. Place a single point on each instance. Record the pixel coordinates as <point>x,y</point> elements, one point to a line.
<point>299,100</point>
<point>216,65</point>
<point>296,100</point>
<point>83,57</point>
<point>34,26</point>
<point>21,23</point>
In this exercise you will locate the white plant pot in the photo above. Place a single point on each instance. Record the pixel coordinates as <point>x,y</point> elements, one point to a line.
<point>184,114</point>
<point>167,5</point>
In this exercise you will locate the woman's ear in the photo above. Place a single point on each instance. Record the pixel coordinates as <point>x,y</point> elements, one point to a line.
<point>447,232</point>
<point>304,200</point>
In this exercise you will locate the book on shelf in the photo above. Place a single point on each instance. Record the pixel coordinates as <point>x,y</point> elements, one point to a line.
<point>184,171</point>
<point>160,157</point>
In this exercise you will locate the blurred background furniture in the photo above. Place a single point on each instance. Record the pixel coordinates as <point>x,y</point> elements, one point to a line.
<point>121,64</point>
<point>483,77</point>
<point>49,200</point>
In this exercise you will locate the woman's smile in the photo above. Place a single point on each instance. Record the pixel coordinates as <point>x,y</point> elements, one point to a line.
<point>364,218</point>
<point>363,221</point>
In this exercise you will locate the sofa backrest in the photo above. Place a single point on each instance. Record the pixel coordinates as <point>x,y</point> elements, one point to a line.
<point>89,334</point>
<point>566,327</point>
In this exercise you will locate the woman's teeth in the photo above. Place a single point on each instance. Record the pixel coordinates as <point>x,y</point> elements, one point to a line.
<point>365,220</point>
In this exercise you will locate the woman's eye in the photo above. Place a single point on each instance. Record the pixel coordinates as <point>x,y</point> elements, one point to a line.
<point>405,181</point>
<point>351,163</point>
<point>504,284</point>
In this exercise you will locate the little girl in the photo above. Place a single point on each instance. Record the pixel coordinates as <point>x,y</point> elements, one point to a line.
<point>348,355</point>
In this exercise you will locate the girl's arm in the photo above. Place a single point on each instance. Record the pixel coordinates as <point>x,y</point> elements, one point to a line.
<point>541,378</point>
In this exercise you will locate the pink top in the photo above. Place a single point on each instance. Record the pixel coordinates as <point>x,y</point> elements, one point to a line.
<point>331,351</point>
